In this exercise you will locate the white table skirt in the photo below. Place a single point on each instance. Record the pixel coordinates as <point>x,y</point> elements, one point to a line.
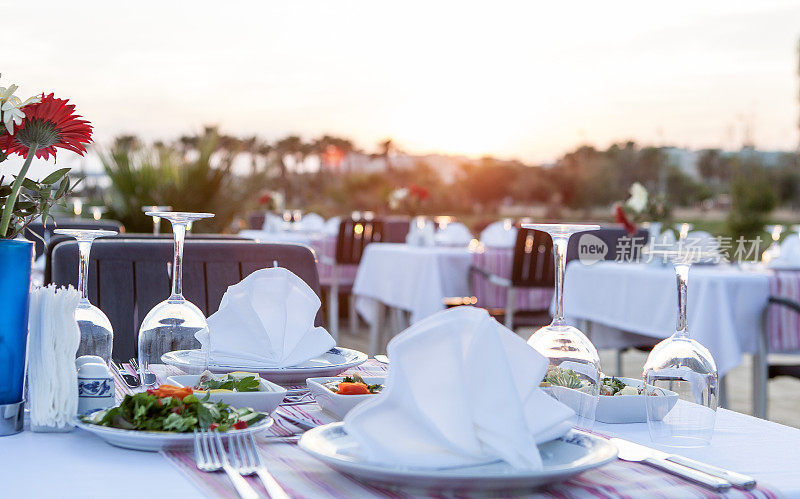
<point>410,278</point>
<point>724,310</point>
<point>79,465</point>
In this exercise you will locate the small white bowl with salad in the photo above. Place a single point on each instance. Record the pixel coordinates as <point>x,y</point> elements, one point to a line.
<point>237,389</point>
<point>339,394</point>
<point>622,400</point>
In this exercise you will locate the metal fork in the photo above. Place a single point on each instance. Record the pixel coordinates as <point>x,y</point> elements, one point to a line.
<point>209,454</point>
<point>247,461</point>
<point>148,379</point>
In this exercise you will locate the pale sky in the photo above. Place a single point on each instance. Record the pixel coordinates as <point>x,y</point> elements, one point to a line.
<point>527,80</point>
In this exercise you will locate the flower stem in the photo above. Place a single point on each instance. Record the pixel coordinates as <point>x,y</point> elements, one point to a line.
<point>8,209</point>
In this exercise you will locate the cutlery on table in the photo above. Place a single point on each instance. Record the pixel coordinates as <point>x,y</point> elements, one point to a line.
<point>382,358</point>
<point>149,378</point>
<point>630,451</point>
<point>245,459</point>
<point>738,480</point>
<point>129,379</point>
<point>209,454</point>
<point>300,423</point>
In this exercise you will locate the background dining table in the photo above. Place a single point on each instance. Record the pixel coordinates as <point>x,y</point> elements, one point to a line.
<point>87,467</point>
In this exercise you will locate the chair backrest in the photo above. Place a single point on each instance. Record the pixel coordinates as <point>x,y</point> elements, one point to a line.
<point>395,229</point>
<point>58,238</point>
<point>354,236</point>
<point>45,233</point>
<point>128,277</point>
<point>621,245</point>
<point>256,221</point>
<point>532,265</point>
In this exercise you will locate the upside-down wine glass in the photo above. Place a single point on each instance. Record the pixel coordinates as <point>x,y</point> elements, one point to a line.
<point>172,324</point>
<point>774,249</point>
<point>681,365</point>
<point>573,373</point>
<point>97,335</point>
<point>156,220</point>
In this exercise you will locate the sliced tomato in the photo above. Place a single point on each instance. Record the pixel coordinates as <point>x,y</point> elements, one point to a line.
<point>353,389</point>
<point>240,425</point>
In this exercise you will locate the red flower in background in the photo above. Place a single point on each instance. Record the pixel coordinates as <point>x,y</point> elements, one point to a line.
<point>49,124</point>
<point>622,218</point>
<point>418,192</point>
<point>265,198</point>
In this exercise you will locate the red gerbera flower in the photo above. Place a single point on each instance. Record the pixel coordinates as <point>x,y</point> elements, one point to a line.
<point>48,124</point>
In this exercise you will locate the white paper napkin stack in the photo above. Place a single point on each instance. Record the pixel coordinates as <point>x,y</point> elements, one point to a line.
<point>266,320</point>
<point>53,338</point>
<point>462,390</point>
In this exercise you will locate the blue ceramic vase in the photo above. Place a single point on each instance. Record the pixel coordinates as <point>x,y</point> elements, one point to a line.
<point>16,257</point>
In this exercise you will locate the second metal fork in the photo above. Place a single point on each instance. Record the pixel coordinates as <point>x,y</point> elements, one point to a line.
<point>246,460</point>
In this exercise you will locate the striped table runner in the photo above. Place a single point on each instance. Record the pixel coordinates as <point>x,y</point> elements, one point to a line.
<point>304,476</point>
<point>498,261</point>
<point>783,324</point>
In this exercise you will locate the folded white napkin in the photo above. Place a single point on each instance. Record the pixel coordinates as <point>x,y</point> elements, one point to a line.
<point>462,389</point>
<point>789,256</point>
<point>499,235</point>
<point>454,233</point>
<point>332,226</point>
<point>266,320</point>
<point>53,338</point>
<point>311,222</point>
<point>272,223</point>
<point>421,233</point>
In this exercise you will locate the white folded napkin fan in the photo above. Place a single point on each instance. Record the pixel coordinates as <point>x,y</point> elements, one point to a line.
<point>462,390</point>
<point>266,321</point>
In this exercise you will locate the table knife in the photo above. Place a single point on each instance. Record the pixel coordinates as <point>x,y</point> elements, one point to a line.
<point>629,451</point>
<point>738,480</point>
<point>129,379</point>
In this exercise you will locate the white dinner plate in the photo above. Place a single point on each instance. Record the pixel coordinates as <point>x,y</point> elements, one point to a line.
<point>157,440</point>
<point>563,457</point>
<point>331,363</point>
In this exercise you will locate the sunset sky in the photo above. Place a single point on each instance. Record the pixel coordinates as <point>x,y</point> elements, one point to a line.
<point>523,80</point>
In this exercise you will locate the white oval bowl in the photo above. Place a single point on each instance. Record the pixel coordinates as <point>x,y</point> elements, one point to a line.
<point>339,405</point>
<point>630,408</point>
<point>266,400</point>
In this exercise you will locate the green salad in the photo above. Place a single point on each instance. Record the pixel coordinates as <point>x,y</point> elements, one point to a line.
<point>174,409</point>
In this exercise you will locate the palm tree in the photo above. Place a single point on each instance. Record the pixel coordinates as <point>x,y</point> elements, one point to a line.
<point>387,148</point>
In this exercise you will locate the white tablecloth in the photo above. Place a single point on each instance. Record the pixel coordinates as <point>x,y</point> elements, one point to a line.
<point>79,465</point>
<point>410,278</point>
<point>724,311</point>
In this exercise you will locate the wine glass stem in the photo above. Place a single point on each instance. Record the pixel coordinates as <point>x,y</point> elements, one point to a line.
<point>84,248</point>
<point>682,271</point>
<point>179,230</point>
<point>156,225</point>
<point>560,257</point>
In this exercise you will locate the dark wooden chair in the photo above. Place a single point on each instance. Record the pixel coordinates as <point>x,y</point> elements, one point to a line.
<point>127,277</point>
<point>45,233</point>
<point>622,246</point>
<point>353,237</point>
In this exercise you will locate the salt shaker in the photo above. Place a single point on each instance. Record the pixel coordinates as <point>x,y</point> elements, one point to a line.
<point>95,387</point>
